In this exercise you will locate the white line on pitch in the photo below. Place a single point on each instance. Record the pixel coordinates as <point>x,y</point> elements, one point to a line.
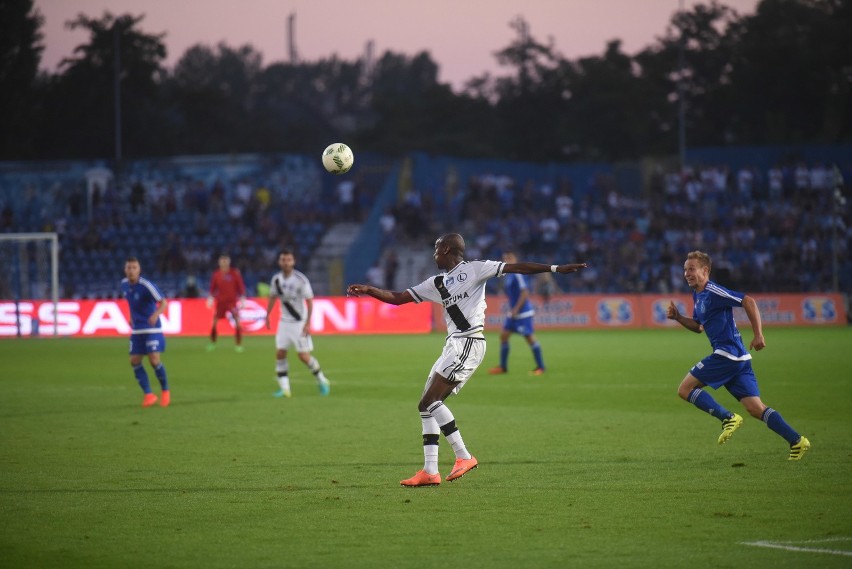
<point>786,547</point>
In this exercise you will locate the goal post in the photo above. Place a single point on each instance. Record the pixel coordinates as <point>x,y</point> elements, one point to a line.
<point>31,272</point>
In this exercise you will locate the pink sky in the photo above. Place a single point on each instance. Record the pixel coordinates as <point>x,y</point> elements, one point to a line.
<point>460,35</point>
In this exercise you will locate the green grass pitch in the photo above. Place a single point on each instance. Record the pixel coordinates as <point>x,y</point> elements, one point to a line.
<point>595,464</point>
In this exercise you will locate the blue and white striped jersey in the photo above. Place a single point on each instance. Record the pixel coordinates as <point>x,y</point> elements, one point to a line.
<point>514,285</point>
<point>461,291</point>
<point>714,311</point>
<point>142,298</point>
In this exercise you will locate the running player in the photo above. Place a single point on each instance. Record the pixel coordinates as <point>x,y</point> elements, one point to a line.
<point>228,291</point>
<point>460,289</point>
<point>730,362</point>
<point>293,289</point>
<point>146,304</point>
<point>519,320</point>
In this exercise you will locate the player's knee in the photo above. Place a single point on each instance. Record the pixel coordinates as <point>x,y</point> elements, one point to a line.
<point>683,391</point>
<point>425,402</point>
<point>756,411</point>
<point>753,406</point>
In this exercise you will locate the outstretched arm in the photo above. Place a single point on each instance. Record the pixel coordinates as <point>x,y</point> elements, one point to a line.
<point>674,314</point>
<point>388,296</point>
<point>535,268</point>
<point>753,313</point>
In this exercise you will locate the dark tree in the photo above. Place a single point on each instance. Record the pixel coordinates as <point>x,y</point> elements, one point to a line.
<point>81,101</point>
<point>20,54</point>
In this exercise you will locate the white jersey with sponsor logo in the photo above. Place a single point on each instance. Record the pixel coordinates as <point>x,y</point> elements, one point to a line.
<point>461,291</point>
<point>292,291</point>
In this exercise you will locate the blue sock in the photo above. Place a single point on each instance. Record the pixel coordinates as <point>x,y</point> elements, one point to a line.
<point>705,402</point>
<point>776,422</point>
<point>142,378</point>
<point>504,355</point>
<point>160,370</point>
<point>536,350</point>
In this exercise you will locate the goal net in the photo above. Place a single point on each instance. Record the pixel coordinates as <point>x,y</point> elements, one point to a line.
<point>30,263</point>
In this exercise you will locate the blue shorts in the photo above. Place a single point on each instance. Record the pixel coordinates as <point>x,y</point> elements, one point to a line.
<point>147,343</point>
<point>737,376</point>
<point>522,326</point>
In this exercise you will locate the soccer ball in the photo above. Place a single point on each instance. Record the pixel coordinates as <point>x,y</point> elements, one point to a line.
<point>338,158</point>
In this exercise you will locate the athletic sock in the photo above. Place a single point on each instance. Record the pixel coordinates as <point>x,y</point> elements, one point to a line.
<point>431,433</point>
<point>504,355</point>
<point>776,422</point>
<point>142,378</point>
<point>536,350</point>
<point>213,334</point>
<point>705,402</point>
<point>282,369</point>
<point>447,423</point>
<point>314,366</point>
<point>160,372</point>
<point>239,336</point>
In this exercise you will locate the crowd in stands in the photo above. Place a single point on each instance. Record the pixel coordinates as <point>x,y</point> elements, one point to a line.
<point>177,227</point>
<point>774,230</point>
<point>765,231</point>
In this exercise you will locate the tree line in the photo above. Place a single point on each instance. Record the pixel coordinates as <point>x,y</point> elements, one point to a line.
<point>782,75</point>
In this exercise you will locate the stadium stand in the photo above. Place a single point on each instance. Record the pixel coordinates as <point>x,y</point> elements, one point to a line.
<point>771,223</point>
<point>771,218</point>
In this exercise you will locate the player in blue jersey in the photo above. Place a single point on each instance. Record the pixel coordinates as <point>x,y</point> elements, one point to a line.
<point>730,362</point>
<point>146,304</point>
<point>519,320</point>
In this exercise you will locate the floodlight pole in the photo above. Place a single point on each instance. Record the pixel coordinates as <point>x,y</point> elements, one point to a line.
<point>838,202</point>
<point>681,111</point>
<point>116,32</point>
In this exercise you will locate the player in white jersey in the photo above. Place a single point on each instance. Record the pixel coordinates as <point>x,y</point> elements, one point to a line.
<point>293,290</point>
<point>460,289</point>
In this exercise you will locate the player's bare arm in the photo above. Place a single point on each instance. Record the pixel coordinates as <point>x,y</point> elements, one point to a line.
<point>387,296</point>
<point>672,313</point>
<point>269,309</point>
<point>535,268</point>
<point>306,329</point>
<point>522,298</point>
<point>753,313</point>
<point>161,307</point>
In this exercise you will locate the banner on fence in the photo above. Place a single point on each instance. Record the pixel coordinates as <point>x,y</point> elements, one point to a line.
<point>649,310</point>
<point>191,317</point>
<point>344,315</point>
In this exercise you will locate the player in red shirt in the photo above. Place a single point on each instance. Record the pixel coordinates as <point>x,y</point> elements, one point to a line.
<point>228,290</point>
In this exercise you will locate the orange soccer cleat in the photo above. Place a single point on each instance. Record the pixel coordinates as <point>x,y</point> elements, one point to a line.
<point>537,371</point>
<point>149,400</point>
<point>422,478</point>
<point>462,467</point>
<point>165,398</point>
<point>497,371</point>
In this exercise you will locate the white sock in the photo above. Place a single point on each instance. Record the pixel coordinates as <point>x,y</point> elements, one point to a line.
<point>430,452</point>
<point>314,366</point>
<point>282,367</point>
<point>444,417</point>
<point>455,439</point>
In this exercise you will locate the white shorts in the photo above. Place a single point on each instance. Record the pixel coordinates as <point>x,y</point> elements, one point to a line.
<point>291,334</point>
<point>458,361</point>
